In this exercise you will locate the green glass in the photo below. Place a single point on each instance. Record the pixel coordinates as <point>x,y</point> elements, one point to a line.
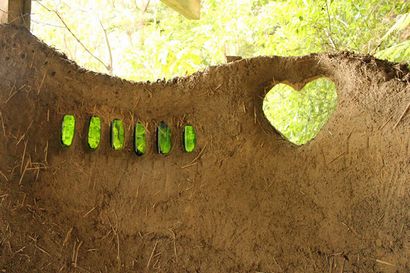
<point>68,130</point>
<point>117,134</point>
<point>164,138</point>
<point>94,133</point>
<point>140,141</point>
<point>189,139</point>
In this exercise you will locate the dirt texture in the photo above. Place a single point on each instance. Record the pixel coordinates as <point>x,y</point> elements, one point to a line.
<point>245,201</point>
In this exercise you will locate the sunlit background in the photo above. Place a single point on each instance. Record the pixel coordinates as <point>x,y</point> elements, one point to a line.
<point>146,40</point>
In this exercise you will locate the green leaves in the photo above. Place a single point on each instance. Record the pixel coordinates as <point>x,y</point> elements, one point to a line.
<point>299,115</point>
<point>402,22</point>
<point>68,130</point>
<point>396,53</point>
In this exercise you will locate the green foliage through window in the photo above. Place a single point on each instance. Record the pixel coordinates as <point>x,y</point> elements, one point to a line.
<point>156,42</point>
<point>189,139</point>
<point>299,115</point>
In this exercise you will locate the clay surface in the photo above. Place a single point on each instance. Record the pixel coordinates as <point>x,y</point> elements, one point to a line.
<point>245,201</point>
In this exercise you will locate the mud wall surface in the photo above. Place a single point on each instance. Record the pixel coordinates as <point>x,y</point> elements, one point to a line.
<point>245,201</point>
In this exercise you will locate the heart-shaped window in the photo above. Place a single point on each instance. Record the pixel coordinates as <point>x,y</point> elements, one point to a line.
<point>299,115</point>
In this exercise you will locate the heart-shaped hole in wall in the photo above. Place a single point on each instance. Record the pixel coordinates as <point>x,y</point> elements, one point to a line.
<point>299,115</point>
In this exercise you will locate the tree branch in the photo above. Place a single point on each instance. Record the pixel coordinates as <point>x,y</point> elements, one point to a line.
<point>107,41</point>
<point>75,37</point>
<point>146,6</point>
<point>329,34</point>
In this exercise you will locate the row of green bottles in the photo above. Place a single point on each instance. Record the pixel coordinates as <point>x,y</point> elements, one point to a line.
<point>164,143</point>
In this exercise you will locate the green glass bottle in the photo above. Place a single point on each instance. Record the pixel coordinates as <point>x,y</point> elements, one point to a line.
<point>189,138</point>
<point>164,138</point>
<point>117,134</point>
<point>68,130</point>
<point>140,141</point>
<point>94,132</point>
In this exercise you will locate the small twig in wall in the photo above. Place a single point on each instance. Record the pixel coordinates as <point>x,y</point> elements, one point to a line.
<point>152,254</point>
<point>4,176</point>
<point>401,116</point>
<point>2,124</point>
